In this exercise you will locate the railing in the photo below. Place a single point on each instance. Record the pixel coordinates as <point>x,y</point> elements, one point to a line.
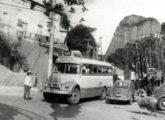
<point>44,40</point>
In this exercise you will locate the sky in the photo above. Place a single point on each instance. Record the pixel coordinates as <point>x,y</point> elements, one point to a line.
<point>105,15</point>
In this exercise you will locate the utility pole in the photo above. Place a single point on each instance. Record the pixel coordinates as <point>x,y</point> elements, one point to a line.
<point>52,17</point>
<point>101,48</point>
<point>50,59</point>
<point>162,56</point>
<point>136,58</point>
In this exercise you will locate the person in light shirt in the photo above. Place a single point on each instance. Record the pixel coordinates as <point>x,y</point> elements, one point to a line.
<point>28,83</point>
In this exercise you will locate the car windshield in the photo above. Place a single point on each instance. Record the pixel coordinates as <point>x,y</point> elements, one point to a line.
<point>68,68</point>
<point>121,85</point>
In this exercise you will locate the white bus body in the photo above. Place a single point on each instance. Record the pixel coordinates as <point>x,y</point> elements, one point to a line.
<point>79,78</point>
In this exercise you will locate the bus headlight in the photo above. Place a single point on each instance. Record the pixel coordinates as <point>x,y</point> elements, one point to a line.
<point>125,97</point>
<point>45,85</point>
<point>66,85</point>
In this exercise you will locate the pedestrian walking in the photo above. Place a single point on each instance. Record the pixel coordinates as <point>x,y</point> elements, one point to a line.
<point>28,83</point>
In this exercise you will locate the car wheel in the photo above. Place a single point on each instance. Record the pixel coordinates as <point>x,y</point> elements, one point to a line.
<point>75,96</point>
<point>161,103</point>
<point>103,94</point>
<point>112,101</point>
<point>108,101</point>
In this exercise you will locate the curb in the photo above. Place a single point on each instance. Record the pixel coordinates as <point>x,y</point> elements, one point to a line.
<point>15,90</point>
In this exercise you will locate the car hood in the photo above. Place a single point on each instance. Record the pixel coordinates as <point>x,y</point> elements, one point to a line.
<point>120,91</point>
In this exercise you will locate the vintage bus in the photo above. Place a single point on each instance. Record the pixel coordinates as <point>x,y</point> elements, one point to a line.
<point>77,77</point>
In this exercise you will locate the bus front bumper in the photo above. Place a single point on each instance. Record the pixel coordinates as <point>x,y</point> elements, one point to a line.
<point>56,91</point>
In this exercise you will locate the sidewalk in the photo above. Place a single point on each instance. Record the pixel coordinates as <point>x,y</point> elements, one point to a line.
<point>15,90</point>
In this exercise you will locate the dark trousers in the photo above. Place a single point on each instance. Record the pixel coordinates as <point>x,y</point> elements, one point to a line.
<point>26,92</point>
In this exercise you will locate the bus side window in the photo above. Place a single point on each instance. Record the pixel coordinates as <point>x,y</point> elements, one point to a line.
<point>90,69</point>
<point>110,71</point>
<point>84,70</point>
<point>99,70</point>
<point>102,70</point>
<point>94,69</point>
<point>106,71</point>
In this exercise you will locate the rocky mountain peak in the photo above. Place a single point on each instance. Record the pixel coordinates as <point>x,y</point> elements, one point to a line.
<point>132,20</point>
<point>130,29</point>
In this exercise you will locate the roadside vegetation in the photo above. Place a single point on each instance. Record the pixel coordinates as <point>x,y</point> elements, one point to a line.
<point>80,38</point>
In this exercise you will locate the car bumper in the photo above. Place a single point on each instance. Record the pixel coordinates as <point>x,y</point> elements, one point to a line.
<point>118,98</point>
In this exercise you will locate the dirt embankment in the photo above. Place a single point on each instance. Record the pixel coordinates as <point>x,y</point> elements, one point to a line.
<point>9,78</point>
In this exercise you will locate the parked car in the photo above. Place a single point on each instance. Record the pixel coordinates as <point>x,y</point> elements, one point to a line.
<point>123,90</point>
<point>159,93</point>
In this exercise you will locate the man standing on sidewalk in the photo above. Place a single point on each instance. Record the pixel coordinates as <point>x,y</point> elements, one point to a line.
<point>28,83</point>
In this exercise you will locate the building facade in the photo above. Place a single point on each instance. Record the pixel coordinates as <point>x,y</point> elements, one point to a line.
<point>30,28</point>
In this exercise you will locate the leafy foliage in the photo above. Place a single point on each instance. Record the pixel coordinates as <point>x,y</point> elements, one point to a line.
<point>124,57</point>
<point>133,53</point>
<point>65,22</point>
<point>80,38</point>
<point>73,2</point>
<point>10,52</point>
<point>60,8</point>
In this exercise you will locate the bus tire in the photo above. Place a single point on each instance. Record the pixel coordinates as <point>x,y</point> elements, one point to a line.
<point>75,96</point>
<point>103,94</point>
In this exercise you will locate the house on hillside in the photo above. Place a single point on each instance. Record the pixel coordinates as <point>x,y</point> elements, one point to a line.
<point>29,28</point>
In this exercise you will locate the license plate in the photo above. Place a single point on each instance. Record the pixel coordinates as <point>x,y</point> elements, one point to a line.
<point>54,89</point>
<point>118,95</point>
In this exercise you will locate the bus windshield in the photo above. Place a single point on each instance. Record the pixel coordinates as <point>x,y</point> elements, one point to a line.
<point>121,85</point>
<point>68,68</point>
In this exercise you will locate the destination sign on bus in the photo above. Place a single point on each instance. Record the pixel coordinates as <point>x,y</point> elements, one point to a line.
<point>67,53</point>
<point>73,53</point>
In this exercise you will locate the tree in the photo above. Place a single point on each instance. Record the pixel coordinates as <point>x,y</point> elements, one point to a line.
<point>113,59</point>
<point>80,38</point>
<point>10,53</point>
<point>59,7</point>
<point>124,57</point>
<point>136,56</point>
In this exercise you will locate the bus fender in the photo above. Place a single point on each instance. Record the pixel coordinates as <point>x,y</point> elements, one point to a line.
<point>69,86</point>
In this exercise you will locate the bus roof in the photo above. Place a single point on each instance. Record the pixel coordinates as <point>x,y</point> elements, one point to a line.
<point>126,81</point>
<point>71,59</point>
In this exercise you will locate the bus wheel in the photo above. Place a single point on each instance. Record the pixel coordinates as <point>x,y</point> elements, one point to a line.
<point>75,96</point>
<point>103,94</point>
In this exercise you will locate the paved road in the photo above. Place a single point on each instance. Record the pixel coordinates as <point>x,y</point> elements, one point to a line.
<point>15,108</point>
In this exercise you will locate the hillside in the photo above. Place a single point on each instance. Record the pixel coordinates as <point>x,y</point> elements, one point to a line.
<point>130,29</point>
<point>9,78</point>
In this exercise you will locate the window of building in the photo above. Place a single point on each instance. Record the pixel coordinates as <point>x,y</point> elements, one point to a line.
<point>19,23</point>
